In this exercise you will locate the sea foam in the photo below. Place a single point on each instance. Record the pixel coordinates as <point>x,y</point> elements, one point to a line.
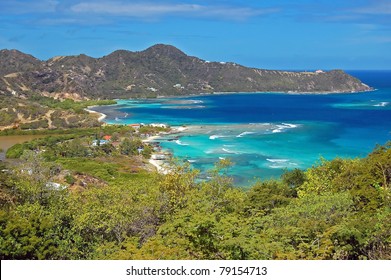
<point>277,160</point>
<point>245,133</point>
<point>180,143</point>
<point>213,137</point>
<point>230,152</point>
<point>382,104</point>
<point>283,126</point>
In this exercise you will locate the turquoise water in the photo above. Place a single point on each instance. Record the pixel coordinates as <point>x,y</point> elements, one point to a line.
<point>264,134</point>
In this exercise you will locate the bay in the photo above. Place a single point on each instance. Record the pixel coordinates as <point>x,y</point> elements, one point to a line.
<point>264,134</point>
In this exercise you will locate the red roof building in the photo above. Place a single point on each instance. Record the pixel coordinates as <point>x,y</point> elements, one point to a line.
<point>107,137</point>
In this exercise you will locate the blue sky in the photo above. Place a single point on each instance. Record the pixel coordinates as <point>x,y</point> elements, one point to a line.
<point>284,34</point>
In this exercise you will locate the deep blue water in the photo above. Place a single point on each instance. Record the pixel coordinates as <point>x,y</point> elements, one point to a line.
<point>262,133</point>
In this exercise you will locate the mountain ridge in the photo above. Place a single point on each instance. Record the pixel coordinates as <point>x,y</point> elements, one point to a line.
<point>160,70</point>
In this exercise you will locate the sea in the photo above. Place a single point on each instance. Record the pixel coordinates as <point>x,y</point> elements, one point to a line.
<point>265,134</point>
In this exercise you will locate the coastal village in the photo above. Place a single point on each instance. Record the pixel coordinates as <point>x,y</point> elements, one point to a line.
<point>205,162</point>
<point>149,135</point>
<point>137,144</point>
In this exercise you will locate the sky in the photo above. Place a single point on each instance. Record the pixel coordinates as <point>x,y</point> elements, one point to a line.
<point>279,34</point>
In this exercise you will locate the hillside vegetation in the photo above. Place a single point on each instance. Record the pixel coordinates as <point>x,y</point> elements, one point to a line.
<point>339,209</point>
<point>40,112</point>
<point>156,71</point>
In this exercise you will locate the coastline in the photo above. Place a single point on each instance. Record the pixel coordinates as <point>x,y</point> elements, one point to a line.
<point>371,89</point>
<point>159,163</point>
<point>195,95</point>
<point>264,166</point>
<point>159,166</point>
<point>101,115</point>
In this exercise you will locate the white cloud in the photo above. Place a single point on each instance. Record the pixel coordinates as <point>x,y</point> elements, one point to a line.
<point>148,10</point>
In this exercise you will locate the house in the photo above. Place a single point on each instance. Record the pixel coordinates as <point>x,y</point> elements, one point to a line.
<point>107,137</point>
<point>178,86</point>
<point>101,142</point>
<point>135,126</point>
<point>152,89</point>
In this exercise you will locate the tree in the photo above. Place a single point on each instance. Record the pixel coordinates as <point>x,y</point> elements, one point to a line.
<point>176,184</point>
<point>34,178</point>
<point>293,178</point>
<point>129,147</point>
<point>306,228</point>
<point>265,196</point>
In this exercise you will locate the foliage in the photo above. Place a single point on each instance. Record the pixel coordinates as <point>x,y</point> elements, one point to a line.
<point>69,104</point>
<point>265,196</point>
<point>39,112</point>
<point>339,209</point>
<point>155,72</point>
<point>147,129</point>
<point>7,117</point>
<point>35,125</point>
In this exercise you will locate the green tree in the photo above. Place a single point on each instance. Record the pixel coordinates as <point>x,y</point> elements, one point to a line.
<point>34,175</point>
<point>305,229</point>
<point>176,184</point>
<point>27,233</point>
<point>129,147</point>
<point>265,196</point>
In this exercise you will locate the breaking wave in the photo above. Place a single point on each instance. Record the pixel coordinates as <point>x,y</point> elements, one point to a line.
<point>245,133</point>
<point>180,143</point>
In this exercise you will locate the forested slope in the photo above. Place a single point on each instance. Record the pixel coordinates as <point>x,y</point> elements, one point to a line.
<point>339,209</point>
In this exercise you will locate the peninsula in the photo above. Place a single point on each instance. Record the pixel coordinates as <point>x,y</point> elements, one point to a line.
<point>161,70</point>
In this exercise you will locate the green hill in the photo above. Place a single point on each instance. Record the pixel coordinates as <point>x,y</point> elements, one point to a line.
<point>156,71</point>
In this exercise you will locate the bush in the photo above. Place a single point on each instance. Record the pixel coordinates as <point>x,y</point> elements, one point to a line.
<point>15,151</point>
<point>35,125</point>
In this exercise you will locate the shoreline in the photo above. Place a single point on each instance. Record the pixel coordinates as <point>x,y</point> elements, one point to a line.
<point>159,163</point>
<point>260,92</point>
<point>101,117</point>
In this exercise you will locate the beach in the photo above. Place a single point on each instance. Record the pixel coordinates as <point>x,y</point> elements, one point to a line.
<point>264,135</point>
<point>101,115</point>
<point>159,164</point>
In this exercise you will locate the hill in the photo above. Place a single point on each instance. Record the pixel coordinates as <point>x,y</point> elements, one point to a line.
<point>156,71</point>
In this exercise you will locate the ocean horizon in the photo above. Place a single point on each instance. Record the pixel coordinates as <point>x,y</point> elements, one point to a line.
<point>264,134</point>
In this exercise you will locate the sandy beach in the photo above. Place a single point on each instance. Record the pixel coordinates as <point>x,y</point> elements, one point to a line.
<point>159,166</point>
<point>151,138</point>
<point>101,117</point>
